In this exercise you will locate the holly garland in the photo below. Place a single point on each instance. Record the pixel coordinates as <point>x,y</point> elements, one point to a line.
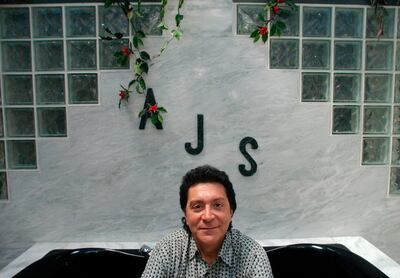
<point>272,16</point>
<point>141,57</point>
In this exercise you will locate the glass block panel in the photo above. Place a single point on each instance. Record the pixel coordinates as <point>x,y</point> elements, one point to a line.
<point>1,123</point>
<point>291,20</point>
<point>396,120</point>
<point>315,87</point>
<point>49,55</point>
<point>345,119</point>
<point>21,154</point>
<point>284,54</point>
<point>3,186</point>
<point>2,155</point>
<point>18,89</point>
<point>83,89</point>
<point>378,88</point>
<point>47,22</point>
<point>373,25</point>
<point>52,122</point>
<point>81,54</point>
<point>316,54</point>
<point>247,18</point>
<point>348,55</point>
<point>394,180</point>
<point>16,56</point>
<point>397,89</point>
<point>149,20</point>
<point>376,119</point>
<point>396,151</point>
<point>80,21</point>
<point>107,50</point>
<point>379,55</point>
<point>14,23</point>
<point>114,19</point>
<point>20,122</point>
<point>316,22</point>
<point>50,89</point>
<point>347,87</point>
<point>375,151</point>
<point>348,23</point>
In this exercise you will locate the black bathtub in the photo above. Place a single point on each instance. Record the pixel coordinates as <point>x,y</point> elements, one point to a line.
<point>298,260</point>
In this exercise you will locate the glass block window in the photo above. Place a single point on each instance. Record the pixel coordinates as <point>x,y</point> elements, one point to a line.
<point>51,56</point>
<point>315,87</point>
<point>347,87</point>
<point>21,154</point>
<point>340,61</point>
<point>377,119</point>
<point>375,150</point>
<point>317,21</point>
<point>52,122</point>
<point>80,21</point>
<point>284,54</point>
<point>345,119</point>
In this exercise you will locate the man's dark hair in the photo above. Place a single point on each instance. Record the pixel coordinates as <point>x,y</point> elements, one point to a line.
<point>203,174</point>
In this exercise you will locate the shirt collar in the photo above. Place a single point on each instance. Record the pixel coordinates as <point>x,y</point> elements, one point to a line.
<point>226,252</point>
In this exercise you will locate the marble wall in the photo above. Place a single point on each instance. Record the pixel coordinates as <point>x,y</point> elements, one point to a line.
<point>109,181</point>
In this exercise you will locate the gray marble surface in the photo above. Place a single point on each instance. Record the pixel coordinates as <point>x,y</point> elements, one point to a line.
<point>108,181</point>
<point>357,245</point>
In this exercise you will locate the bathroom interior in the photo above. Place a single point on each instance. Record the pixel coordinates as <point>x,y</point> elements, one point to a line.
<point>306,122</point>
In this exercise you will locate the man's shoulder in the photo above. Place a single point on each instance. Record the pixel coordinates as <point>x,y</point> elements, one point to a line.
<point>244,242</point>
<point>176,238</point>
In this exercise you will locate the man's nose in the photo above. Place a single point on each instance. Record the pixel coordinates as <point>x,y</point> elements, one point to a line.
<point>208,214</point>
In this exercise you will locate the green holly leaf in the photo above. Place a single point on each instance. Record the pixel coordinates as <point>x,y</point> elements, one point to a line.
<point>144,67</point>
<point>154,119</point>
<point>140,34</point>
<point>264,38</point>
<point>254,34</point>
<point>142,83</point>
<point>280,24</point>
<point>273,29</point>
<point>141,113</point>
<point>144,55</point>
<point>137,69</point>
<point>133,81</point>
<point>178,19</point>
<point>160,118</point>
<point>163,26</point>
<point>118,35</point>
<point>162,109</point>
<point>108,3</point>
<point>256,38</point>
<point>137,41</point>
<point>261,17</point>
<point>176,34</point>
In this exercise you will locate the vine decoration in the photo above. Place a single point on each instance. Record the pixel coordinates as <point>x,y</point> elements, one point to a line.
<point>273,15</point>
<point>135,52</point>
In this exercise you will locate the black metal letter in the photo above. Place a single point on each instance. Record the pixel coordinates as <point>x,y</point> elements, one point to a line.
<point>253,164</point>
<point>150,99</point>
<point>200,137</point>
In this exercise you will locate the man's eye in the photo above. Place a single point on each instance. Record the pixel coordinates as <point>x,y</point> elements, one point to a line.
<point>196,206</point>
<point>218,205</point>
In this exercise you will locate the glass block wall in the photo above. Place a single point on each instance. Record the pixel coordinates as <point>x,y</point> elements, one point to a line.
<point>50,59</point>
<point>341,62</point>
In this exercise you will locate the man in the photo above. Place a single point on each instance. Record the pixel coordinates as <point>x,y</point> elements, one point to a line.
<point>207,246</point>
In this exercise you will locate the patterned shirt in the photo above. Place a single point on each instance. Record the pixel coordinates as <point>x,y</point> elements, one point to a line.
<point>177,256</point>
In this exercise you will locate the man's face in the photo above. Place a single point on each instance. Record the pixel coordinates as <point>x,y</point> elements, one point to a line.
<point>208,213</point>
